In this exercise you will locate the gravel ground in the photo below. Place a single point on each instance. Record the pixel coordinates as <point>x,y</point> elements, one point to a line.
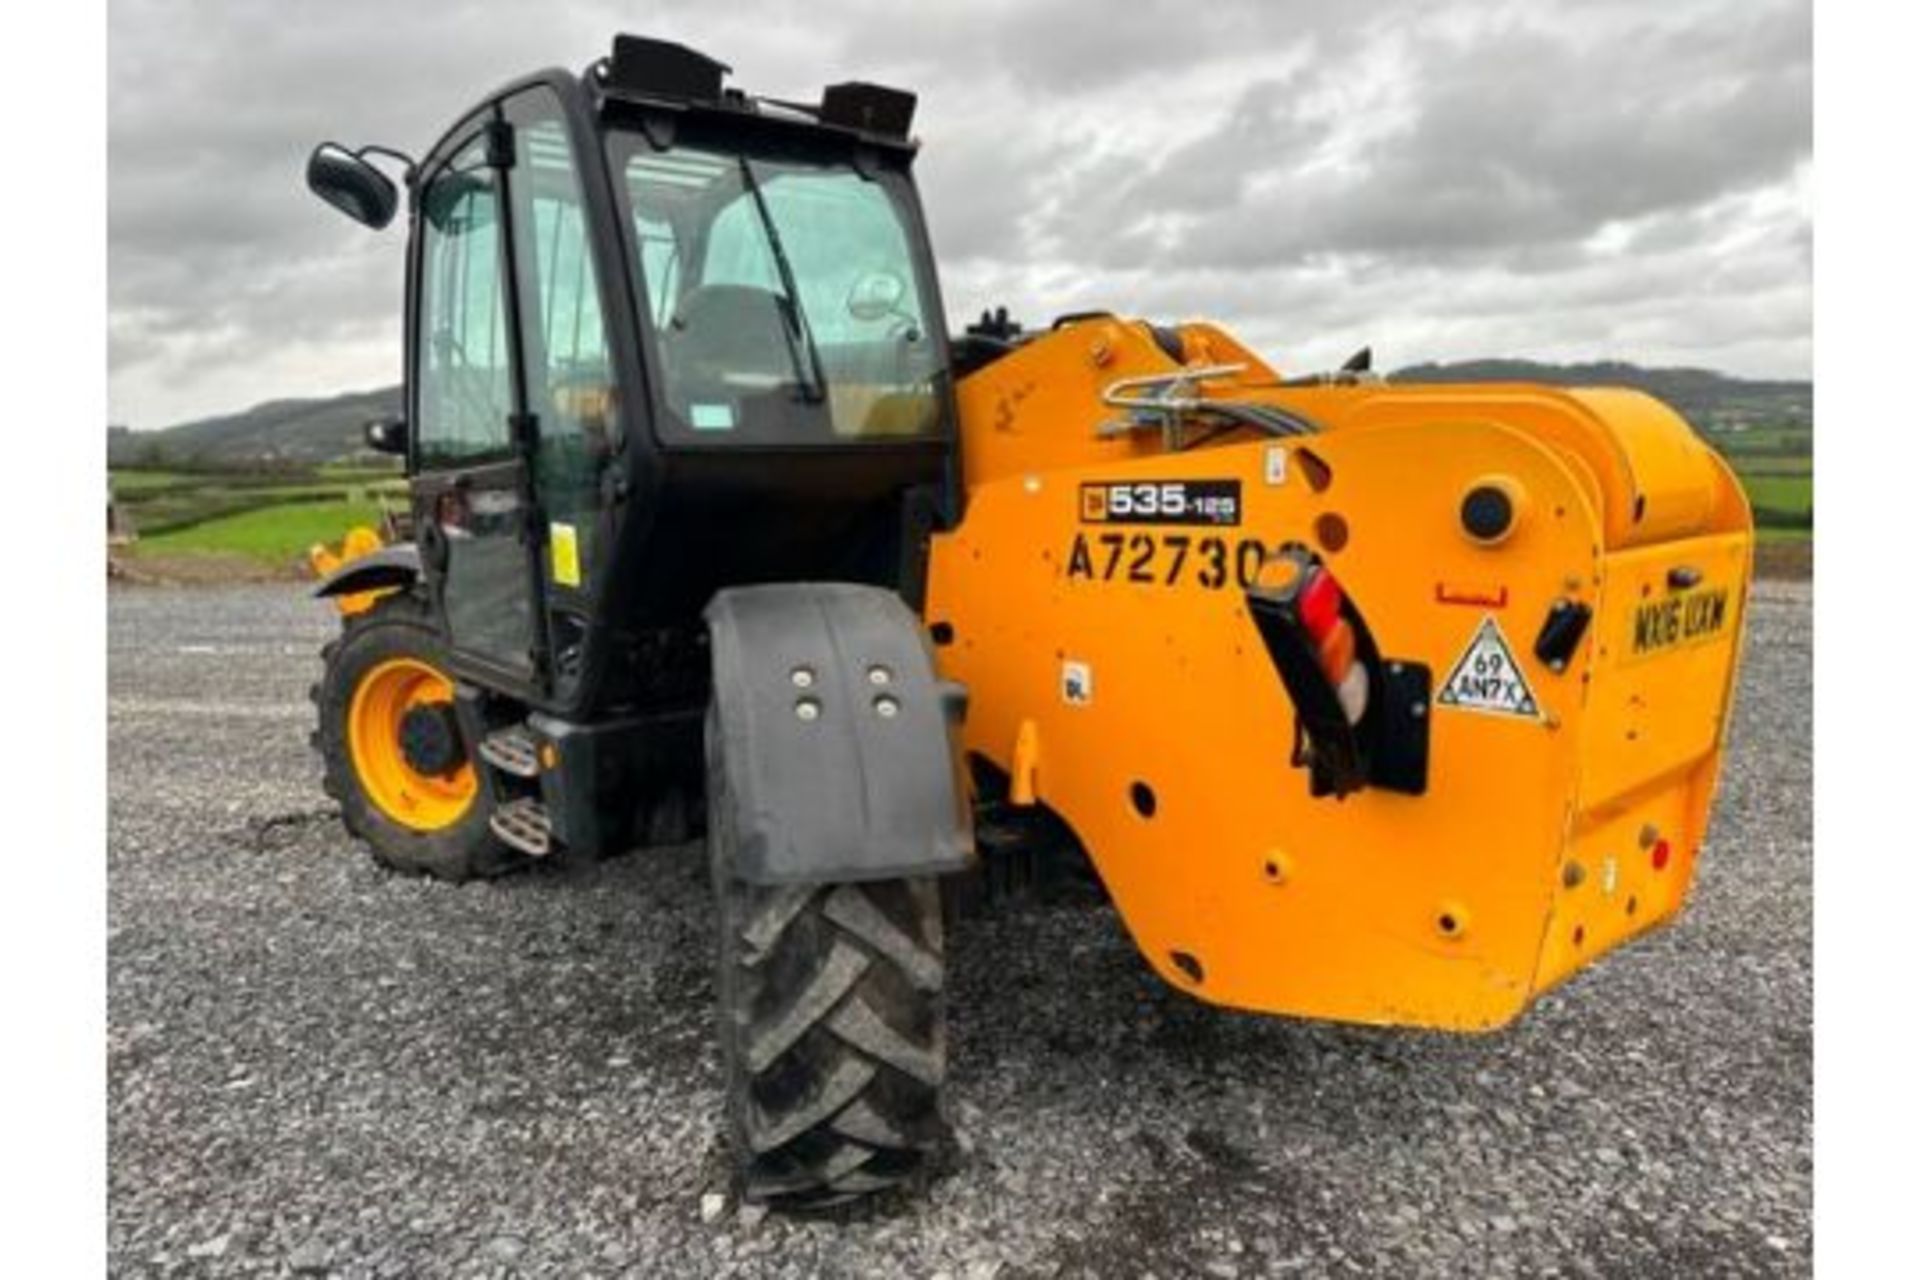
<point>319,1068</point>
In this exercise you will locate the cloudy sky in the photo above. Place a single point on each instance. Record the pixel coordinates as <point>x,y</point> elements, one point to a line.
<point>1596,179</point>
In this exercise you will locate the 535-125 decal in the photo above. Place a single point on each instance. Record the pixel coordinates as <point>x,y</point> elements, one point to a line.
<point>1161,558</point>
<point>1202,502</point>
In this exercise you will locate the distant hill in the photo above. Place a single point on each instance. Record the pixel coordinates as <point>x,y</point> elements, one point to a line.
<point>279,432</point>
<point>307,432</point>
<point>1712,402</point>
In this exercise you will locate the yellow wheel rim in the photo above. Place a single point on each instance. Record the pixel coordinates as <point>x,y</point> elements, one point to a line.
<point>420,801</point>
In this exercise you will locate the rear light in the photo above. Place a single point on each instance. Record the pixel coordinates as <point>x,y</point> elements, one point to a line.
<point>1359,720</point>
<point>1336,650</point>
<point>1320,604</point>
<point>1661,852</point>
<point>1320,600</point>
<point>1353,693</point>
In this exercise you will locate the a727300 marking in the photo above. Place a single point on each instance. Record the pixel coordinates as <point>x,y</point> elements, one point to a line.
<point>1166,559</point>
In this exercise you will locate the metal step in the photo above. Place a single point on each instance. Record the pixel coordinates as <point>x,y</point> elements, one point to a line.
<point>512,750</point>
<point>524,824</point>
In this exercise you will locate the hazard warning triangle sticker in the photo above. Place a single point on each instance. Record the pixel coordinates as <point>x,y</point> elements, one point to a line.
<point>1488,679</point>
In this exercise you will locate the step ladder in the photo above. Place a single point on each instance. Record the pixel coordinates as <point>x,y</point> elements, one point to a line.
<point>524,825</point>
<point>512,750</point>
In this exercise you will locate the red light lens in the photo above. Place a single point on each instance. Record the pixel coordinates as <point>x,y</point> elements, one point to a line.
<point>1319,603</point>
<point>1661,852</point>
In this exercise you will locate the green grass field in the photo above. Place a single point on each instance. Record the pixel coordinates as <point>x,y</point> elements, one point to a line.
<point>1779,492</point>
<point>274,535</point>
<point>1775,466</point>
<point>129,484</point>
<point>1767,465</point>
<point>1777,441</point>
<point>167,506</point>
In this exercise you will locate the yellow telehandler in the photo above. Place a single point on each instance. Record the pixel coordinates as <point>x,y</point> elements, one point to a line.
<point>1386,703</point>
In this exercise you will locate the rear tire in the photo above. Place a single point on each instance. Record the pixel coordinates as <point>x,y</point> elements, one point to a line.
<point>832,1025</point>
<point>398,627</point>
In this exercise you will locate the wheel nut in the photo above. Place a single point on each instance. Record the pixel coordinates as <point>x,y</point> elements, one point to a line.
<point>886,708</point>
<point>807,709</point>
<point>803,677</point>
<point>879,676</point>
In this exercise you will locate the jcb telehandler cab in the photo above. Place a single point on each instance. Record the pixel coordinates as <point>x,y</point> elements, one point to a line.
<point>1381,703</point>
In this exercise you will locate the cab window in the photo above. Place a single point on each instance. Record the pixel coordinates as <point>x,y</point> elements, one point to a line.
<point>569,370</point>
<point>785,295</point>
<point>465,377</point>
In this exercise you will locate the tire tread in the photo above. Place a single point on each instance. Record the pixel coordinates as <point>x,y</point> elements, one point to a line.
<point>466,851</point>
<point>832,1021</point>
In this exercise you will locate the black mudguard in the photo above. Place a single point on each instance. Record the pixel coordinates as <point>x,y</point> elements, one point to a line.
<point>392,566</point>
<point>848,794</point>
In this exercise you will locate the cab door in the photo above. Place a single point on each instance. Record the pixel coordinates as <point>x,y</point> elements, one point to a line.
<point>472,488</point>
<point>571,395</point>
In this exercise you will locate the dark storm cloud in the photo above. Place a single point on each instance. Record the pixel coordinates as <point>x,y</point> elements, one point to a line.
<point>1591,179</point>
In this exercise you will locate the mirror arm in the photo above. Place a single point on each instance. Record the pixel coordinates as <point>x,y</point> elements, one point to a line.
<point>374,148</point>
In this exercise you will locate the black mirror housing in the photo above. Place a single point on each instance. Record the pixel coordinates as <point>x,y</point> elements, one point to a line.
<point>351,185</point>
<point>387,435</point>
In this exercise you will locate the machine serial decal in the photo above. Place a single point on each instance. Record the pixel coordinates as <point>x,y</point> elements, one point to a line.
<point>1166,559</point>
<point>1488,679</point>
<point>1208,502</point>
<point>1686,618</point>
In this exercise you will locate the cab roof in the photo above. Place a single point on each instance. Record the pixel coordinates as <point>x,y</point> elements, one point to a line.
<point>664,78</point>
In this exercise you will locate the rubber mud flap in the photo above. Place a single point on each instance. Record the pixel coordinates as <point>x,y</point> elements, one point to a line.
<point>837,730</point>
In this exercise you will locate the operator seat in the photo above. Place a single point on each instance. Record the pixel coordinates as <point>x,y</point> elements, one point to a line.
<point>728,336</point>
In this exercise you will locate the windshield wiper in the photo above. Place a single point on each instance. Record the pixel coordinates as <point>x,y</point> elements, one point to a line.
<point>800,344</point>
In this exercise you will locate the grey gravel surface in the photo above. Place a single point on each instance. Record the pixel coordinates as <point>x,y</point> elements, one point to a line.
<point>319,1068</point>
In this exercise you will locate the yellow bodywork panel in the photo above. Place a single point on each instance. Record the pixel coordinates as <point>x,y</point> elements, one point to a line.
<point>1116,674</point>
<point>323,560</point>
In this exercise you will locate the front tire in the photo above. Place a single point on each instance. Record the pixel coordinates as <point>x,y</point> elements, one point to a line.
<point>832,1025</point>
<point>387,662</point>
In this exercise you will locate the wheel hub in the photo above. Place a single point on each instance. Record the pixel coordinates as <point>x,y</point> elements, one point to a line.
<point>430,739</point>
<point>404,740</point>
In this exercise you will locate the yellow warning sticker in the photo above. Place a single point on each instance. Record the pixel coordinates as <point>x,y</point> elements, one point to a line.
<point>565,542</point>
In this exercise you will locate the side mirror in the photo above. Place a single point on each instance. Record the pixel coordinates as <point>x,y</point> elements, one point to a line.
<point>351,185</point>
<point>875,295</point>
<point>387,435</point>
